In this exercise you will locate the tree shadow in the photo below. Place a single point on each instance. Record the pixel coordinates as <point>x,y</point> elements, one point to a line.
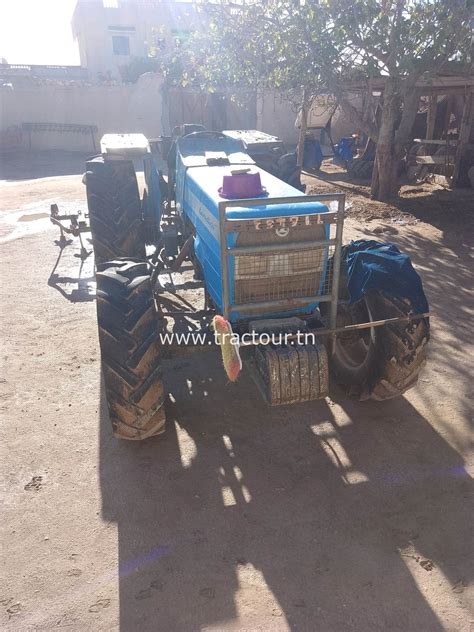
<point>261,518</point>
<point>343,181</point>
<point>449,210</point>
<point>445,267</point>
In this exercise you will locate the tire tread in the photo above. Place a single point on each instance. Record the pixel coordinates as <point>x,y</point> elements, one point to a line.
<point>130,350</point>
<point>115,209</point>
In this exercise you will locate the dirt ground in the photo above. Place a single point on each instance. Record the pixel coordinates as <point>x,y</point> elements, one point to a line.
<point>330,516</point>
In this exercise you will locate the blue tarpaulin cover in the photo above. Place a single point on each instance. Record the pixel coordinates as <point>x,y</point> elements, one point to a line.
<point>372,265</point>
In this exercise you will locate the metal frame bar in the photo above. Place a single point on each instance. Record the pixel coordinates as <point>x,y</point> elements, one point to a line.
<point>76,228</point>
<point>336,270</point>
<point>292,245</point>
<point>295,199</point>
<point>224,258</point>
<point>227,225</point>
<point>325,331</point>
<point>426,141</point>
<point>286,303</point>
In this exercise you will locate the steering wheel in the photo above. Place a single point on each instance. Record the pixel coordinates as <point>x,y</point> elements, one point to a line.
<point>205,134</point>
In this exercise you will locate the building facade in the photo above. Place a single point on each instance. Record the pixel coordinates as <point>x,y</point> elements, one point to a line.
<point>111,33</point>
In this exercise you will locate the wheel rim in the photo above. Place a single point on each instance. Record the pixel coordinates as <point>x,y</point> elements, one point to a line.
<point>353,351</point>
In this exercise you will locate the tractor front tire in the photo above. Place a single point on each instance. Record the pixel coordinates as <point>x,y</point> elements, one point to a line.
<point>115,210</point>
<point>382,362</point>
<point>131,353</point>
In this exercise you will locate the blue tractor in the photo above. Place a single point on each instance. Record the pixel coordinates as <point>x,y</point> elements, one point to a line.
<point>270,261</point>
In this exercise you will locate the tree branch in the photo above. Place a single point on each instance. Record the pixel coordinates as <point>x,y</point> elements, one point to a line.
<point>356,117</point>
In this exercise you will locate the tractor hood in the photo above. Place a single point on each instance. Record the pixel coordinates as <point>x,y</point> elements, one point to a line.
<point>208,181</point>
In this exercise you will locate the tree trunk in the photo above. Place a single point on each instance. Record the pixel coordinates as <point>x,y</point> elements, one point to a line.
<point>394,133</point>
<point>384,184</point>
<point>303,127</point>
<point>431,116</point>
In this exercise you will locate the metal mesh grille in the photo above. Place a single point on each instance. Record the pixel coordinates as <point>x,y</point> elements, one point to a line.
<point>282,275</point>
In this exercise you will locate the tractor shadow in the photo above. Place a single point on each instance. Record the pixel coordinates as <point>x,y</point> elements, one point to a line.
<point>246,517</point>
<point>29,165</point>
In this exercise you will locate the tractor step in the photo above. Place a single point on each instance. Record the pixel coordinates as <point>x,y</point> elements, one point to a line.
<point>291,374</point>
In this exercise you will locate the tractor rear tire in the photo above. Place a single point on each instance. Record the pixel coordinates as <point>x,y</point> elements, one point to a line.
<point>382,362</point>
<point>361,169</point>
<point>130,349</point>
<point>115,209</point>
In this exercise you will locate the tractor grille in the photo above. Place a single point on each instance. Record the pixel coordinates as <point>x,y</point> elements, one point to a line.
<point>273,276</point>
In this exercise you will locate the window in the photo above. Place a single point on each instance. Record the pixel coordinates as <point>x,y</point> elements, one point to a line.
<point>121,44</point>
<point>122,29</point>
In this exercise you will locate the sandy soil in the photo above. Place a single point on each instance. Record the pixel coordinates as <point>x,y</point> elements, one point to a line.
<point>330,516</point>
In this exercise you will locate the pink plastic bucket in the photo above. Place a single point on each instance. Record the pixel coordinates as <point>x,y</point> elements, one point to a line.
<point>241,185</point>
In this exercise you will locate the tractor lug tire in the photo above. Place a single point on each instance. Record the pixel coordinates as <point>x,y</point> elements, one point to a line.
<point>129,337</point>
<point>361,169</point>
<point>400,347</point>
<point>115,209</point>
<point>395,354</point>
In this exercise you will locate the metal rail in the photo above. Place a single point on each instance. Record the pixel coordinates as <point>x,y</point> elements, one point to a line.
<point>296,199</point>
<point>209,338</point>
<point>229,225</point>
<point>283,304</point>
<point>326,331</point>
<point>336,269</point>
<point>291,245</point>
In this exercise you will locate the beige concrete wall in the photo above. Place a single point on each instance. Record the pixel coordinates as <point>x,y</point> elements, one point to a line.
<point>122,108</point>
<point>216,111</point>
<point>137,108</point>
<point>276,115</point>
<point>116,109</point>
